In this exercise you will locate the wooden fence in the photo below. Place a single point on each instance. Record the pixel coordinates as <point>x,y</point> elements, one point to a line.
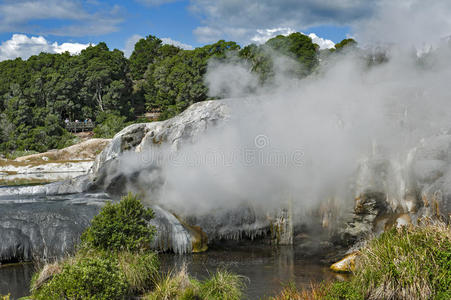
<point>79,126</point>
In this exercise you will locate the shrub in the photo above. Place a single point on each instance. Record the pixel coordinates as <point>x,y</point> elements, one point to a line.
<point>120,226</point>
<point>96,275</point>
<point>108,125</point>
<point>93,276</point>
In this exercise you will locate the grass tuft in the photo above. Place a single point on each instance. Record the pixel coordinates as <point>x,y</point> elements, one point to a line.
<point>223,285</point>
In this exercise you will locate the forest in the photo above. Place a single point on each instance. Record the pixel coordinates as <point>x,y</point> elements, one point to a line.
<point>37,95</point>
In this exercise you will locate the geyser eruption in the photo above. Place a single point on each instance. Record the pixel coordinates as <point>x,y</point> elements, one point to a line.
<point>363,141</point>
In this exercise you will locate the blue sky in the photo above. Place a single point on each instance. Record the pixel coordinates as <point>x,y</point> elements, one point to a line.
<point>30,26</point>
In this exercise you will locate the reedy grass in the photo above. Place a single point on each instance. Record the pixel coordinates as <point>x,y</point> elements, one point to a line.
<point>175,285</point>
<point>180,286</point>
<point>140,270</point>
<point>407,263</point>
<point>403,263</point>
<point>223,285</point>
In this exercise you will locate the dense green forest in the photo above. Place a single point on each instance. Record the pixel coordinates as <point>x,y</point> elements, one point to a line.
<point>37,95</point>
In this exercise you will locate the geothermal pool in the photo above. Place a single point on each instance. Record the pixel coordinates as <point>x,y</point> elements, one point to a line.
<point>267,269</point>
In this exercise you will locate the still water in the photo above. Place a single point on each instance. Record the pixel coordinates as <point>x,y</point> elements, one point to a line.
<point>266,269</point>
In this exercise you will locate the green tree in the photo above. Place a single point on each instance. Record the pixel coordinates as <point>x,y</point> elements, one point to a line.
<point>176,81</point>
<point>144,53</point>
<point>345,44</point>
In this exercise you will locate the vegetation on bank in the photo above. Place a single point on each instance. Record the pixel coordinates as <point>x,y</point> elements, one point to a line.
<point>37,95</point>
<point>404,263</point>
<point>114,262</point>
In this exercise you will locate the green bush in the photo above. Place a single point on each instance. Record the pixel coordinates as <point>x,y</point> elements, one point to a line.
<point>94,276</point>
<point>120,226</point>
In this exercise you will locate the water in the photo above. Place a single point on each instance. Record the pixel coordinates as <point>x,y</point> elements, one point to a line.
<point>267,269</point>
<point>15,279</point>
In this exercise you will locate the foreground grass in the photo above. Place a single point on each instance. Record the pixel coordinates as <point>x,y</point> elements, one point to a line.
<point>403,263</point>
<point>181,286</point>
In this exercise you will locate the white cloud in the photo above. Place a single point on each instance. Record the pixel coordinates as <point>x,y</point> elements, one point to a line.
<point>130,44</point>
<point>265,34</point>
<point>23,46</point>
<point>226,18</point>
<point>207,34</point>
<point>322,43</point>
<point>170,41</point>
<point>76,19</point>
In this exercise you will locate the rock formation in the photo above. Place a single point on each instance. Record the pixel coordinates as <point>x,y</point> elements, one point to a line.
<point>388,192</point>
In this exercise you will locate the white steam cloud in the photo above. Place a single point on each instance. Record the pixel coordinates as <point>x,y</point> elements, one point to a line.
<point>303,139</point>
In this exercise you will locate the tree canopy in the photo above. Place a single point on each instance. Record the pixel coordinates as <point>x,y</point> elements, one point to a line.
<point>37,95</point>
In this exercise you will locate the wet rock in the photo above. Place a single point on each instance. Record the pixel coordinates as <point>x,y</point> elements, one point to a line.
<point>41,230</point>
<point>347,264</point>
<point>175,235</point>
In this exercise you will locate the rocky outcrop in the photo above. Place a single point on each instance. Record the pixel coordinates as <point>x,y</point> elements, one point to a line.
<point>42,228</point>
<point>51,166</point>
<point>173,133</point>
<point>145,139</point>
<point>87,150</point>
<point>400,192</point>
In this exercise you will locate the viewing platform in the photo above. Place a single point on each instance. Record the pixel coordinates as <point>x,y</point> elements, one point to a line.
<point>80,126</point>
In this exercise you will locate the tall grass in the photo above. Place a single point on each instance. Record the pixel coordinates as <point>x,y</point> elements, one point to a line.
<point>180,286</point>
<point>407,263</point>
<point>223,285</point>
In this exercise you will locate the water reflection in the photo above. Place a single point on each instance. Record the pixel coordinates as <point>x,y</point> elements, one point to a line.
<point>15,279</point>
<point>268,269</point>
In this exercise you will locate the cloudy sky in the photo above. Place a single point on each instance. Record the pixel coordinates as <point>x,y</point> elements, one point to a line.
<point>30,26</point>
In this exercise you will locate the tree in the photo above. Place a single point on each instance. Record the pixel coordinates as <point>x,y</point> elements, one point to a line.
<point>144,53</point>
<point>345,44</point>
<point>175,82</point>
